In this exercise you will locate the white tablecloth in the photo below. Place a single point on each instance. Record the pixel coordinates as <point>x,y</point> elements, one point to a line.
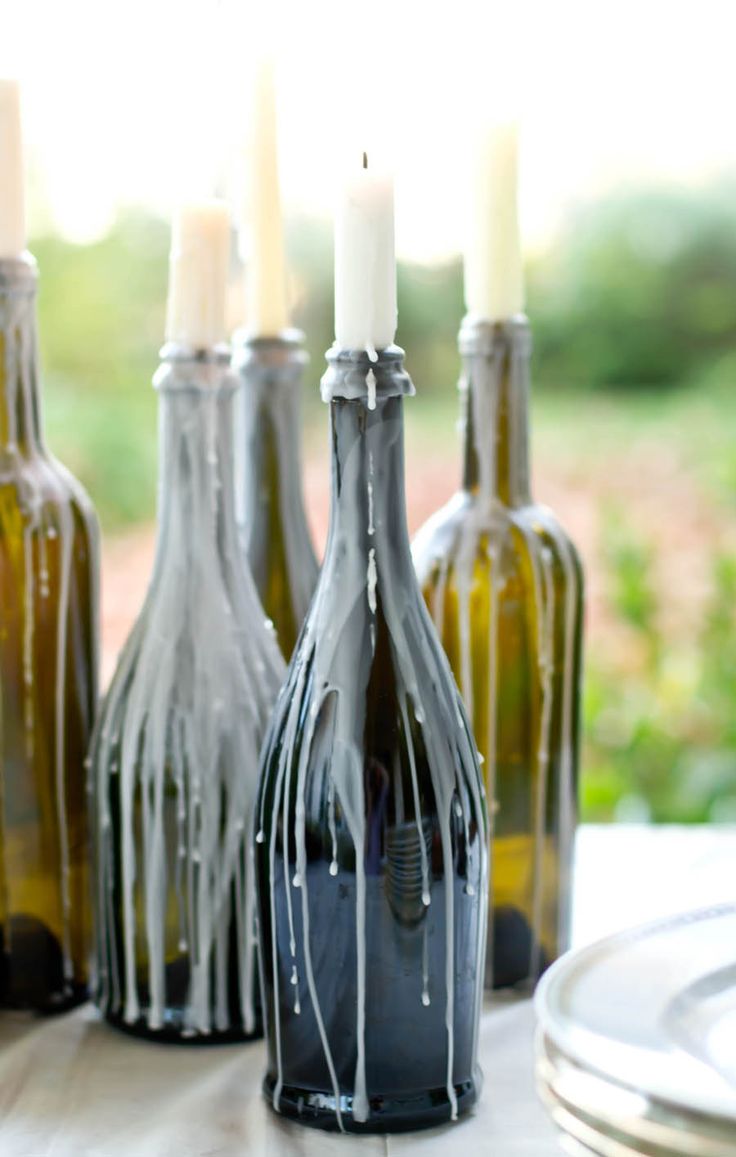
<point>73,1087</point>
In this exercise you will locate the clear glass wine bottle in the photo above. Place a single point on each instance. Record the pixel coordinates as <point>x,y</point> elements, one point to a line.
<point>504,585</point>
<point>371,847</point>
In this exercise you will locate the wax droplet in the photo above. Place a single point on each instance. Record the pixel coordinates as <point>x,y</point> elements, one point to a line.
<point>372,580</point>
<point>481,758</point>
<point>297,880</point>
<point>294,977</point>
<point>458,808</point>
<point>469,890</point>
<point>260,837</point>
<point>425,999</point>
<point>297,1008</point>
<point>333,868</point>
<point>183,946</point>
<point>426,898</point>
<point>370,381</point>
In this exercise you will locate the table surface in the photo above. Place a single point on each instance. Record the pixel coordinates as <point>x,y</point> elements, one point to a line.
<point>73,1087</point>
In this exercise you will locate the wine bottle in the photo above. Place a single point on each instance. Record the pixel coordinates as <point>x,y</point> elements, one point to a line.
<point>175,754</point>
<point>48,651</point>
<point>504,585</point>
<point>274,525</point>
<point>371,847</point>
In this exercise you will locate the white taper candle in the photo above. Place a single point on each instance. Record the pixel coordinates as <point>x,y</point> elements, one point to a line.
<point>365,262</point>
<point>494,286</point>
<point>198,274</point>
<point>267,311</point>
<point>12,184</point>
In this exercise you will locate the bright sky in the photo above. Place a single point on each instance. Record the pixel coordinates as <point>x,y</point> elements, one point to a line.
<point>143,100</point>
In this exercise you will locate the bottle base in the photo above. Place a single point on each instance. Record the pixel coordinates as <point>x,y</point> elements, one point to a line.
<point>516,958</point>
<point>32,970</point>
<point>401,1113</point>
<point>174,1032</point>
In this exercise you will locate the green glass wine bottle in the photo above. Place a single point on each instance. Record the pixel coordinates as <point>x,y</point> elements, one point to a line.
<point>48,651</point>
<point>503,583</point>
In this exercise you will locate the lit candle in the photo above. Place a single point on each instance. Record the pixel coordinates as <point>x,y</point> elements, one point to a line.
<point>198,273</point>
<point>494,287</point>
<point>365,263</point>
<point>12,213</point>
<point>267,309</point>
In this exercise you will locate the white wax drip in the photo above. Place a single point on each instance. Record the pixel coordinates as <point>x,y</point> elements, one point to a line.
<point>370,381</point>
<point>331,666</point>
<point>178,738</point>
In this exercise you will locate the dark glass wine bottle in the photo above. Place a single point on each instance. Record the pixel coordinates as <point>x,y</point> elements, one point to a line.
<point>175,754</point>
<point>371,848</point>
<point>504,585</point>
<point>48,661</point>
<point>274,525</point>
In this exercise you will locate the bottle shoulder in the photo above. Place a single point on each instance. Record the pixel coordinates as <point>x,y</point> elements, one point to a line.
<point>201,645</point>
<point>372,649</point>
<point>470,527</point>
<point>38,495</point>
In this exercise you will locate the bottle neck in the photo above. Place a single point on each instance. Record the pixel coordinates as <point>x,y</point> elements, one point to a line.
<point>271,371</point>
<point>368,505</point>
<point>20,417</point>
<point>495,391</point>
<point>196,491</point>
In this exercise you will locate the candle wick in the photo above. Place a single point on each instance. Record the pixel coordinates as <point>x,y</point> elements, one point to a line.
<point>365,160</point>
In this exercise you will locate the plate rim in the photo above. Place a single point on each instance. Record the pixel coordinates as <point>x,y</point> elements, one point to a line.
<point>561,972</point>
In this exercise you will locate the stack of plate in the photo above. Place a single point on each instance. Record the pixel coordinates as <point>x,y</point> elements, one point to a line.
<point>636,1051</point>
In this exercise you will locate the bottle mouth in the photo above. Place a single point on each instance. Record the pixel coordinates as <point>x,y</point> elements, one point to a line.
<point>184,368</point>
<point>357,375</point>
<point>18,275</point>
<point>283,355</point>
<point>179,352</point>
<point>480,336</point>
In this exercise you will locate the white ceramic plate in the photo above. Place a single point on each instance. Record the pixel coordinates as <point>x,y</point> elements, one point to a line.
<point>638,1037</point>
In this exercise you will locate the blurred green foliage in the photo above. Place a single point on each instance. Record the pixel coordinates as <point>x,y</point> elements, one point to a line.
<point>660,738</point>
<point>636,292</point>
<point>634,305</point>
